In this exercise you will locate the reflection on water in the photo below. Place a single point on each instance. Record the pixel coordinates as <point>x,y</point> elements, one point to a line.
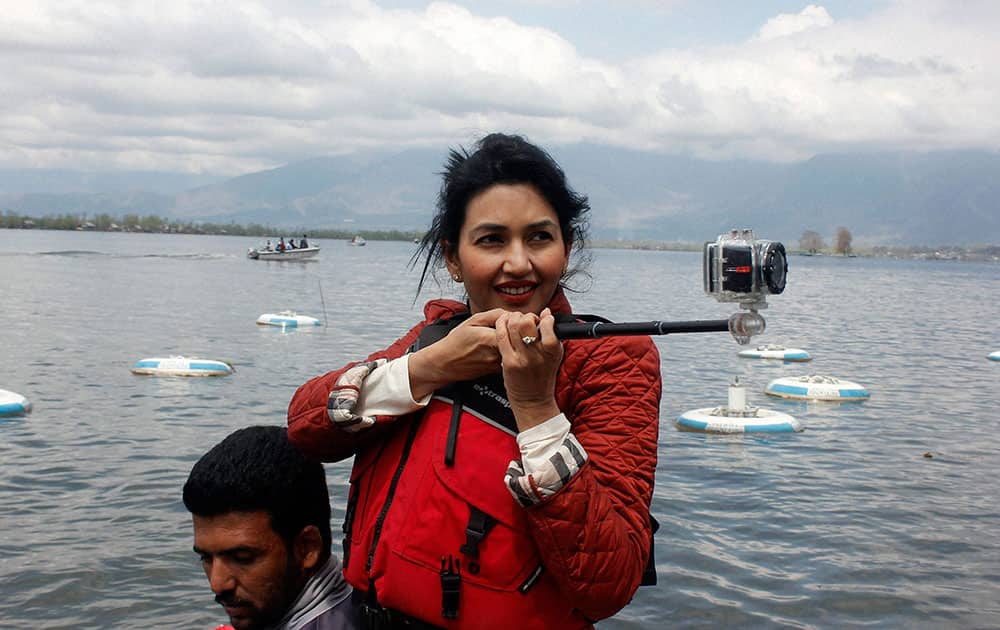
<point>845,524</point>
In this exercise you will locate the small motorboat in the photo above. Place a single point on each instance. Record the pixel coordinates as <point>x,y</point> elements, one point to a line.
<point>269,253</point>
<point>358,241</point>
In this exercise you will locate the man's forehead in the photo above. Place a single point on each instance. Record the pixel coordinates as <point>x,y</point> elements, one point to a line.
<point>232,530</point>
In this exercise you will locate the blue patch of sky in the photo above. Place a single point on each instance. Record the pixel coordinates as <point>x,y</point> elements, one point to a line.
<point>619,30</point>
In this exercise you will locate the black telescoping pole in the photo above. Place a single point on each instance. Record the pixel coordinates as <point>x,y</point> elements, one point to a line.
<point>593,330</point>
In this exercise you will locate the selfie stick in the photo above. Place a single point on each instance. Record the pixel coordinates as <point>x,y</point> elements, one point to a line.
<point>742,326</point>
<point>594,330</point>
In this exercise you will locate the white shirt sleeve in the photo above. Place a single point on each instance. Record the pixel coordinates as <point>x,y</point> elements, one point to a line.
<point>386,391</point>
<point>540,442</point>
<point>550,457</point>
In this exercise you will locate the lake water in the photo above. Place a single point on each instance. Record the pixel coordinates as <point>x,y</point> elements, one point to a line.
<point>846,524</point>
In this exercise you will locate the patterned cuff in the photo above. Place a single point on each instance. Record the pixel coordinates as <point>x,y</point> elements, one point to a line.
<point>532,488</point>
<point>344,398</point>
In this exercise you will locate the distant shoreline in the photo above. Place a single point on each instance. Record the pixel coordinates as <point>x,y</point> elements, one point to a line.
<point>156,225</point>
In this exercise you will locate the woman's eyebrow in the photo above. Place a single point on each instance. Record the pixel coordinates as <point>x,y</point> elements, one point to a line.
<point>497,227</point>
<point>544,223</point>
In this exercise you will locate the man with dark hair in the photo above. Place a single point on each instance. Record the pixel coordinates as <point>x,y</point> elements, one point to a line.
<point>261,513</point>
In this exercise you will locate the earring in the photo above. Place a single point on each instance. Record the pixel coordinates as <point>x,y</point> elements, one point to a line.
<point>457,277</point>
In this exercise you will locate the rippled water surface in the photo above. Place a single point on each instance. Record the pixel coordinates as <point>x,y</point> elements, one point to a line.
<point>882,513</point>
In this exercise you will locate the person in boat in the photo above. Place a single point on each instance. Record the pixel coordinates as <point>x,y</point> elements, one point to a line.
<point>281,244</point>
<point>303,243</point>
<point>291,243</point>
<point>263,534</point>
<point>267,247</point>
<point>502,478</point>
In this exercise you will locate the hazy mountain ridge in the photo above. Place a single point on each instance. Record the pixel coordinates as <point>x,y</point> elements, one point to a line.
<point>883,198</point>
<point>18,181</point>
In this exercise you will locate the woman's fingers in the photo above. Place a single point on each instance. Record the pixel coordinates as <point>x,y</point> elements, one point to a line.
<point>547,329</point>
<point>485,318</point>
<point>516,331</point>
<point>503,336</point>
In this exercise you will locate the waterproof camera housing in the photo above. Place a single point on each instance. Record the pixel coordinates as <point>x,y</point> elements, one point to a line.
<point>738,268</point>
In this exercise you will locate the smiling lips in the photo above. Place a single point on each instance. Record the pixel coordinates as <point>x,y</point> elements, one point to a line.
<point>516,293</point>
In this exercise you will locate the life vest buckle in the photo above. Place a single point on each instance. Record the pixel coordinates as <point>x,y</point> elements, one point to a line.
<point>451,584</point>
<point>480,523</point>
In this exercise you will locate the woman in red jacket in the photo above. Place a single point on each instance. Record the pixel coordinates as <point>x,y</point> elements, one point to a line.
<point>501,477</point>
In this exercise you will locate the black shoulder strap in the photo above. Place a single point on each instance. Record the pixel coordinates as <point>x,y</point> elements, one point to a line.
<point>649,574</point>
<point>436,330</point>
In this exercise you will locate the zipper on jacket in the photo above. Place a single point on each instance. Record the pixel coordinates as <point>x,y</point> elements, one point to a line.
<point>392,491</point>
<point>354,493</point>
<point>352,503</point>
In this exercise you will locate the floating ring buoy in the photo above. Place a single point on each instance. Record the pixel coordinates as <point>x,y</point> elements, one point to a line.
<point>182,366</point>
<point>769,351</point>
<point>715,420</point>
<point>816,388</point>
<point>13,404</point>
<point>287,319</point>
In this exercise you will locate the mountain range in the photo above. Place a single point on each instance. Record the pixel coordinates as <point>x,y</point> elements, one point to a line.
<point>898,198</point>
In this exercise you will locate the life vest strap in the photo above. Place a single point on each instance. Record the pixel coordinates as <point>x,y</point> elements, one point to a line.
<point>480,523</point>
<point>456,417</point>
<point>649,573</point>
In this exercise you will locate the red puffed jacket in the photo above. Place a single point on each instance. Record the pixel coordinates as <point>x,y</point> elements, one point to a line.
<point>575,558</point>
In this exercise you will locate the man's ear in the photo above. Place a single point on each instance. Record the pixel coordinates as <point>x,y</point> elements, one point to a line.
<point>308,548</point>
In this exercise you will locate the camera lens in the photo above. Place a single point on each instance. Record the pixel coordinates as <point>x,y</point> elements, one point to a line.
<point>774,267</point>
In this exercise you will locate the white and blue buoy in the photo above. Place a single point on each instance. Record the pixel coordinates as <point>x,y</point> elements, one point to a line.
<point>182,366</point>
<point>770,351</point>
<point>287,319</point>
<point>994,356</point>
<point>737,417</point>
<point>816,387</point>
<point>13,404</point>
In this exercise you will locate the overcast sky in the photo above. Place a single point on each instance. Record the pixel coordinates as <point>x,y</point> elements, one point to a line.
<point>233,86</point>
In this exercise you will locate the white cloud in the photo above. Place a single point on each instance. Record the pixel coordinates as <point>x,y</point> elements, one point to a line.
<point>238,85</point>
<point>788,24</point>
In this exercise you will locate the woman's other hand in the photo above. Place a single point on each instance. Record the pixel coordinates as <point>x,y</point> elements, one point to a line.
<point>530,358</point>
<point>467,352</point>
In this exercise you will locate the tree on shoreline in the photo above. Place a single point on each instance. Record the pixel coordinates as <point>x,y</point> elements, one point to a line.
<point>811,242</point>
<point>154,224</point>
<point>843,241</point>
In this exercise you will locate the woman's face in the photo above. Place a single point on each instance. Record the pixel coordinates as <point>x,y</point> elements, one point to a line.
<point>510,252</point>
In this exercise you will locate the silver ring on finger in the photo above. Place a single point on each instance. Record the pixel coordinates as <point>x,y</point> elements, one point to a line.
<point>529,340</point>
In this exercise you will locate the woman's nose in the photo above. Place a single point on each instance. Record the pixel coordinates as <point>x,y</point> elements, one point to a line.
<point>517,262</point>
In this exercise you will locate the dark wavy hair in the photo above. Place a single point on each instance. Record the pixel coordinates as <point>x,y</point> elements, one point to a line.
<point>258,469</point>
<point>500,159</point>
